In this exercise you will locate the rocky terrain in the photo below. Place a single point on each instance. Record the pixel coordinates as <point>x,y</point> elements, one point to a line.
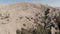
<point>29,18</point>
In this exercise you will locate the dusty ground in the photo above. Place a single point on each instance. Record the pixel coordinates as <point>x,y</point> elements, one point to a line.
<point>22,15</point>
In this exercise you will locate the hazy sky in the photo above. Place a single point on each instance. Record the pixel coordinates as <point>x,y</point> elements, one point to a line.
<point>50,2</point>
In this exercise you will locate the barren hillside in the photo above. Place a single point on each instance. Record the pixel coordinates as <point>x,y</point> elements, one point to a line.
<point>24,18</point>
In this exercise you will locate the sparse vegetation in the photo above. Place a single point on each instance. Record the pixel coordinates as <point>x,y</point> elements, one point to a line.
<point>27,15</point>
<point>18,31</point>
<point>39,30</point>
<point>24,24</point>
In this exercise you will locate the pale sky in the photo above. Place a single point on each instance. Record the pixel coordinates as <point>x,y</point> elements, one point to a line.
<point>49,2</point>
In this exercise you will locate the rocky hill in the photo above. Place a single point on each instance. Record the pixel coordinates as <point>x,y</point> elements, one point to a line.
<point>29,18</point>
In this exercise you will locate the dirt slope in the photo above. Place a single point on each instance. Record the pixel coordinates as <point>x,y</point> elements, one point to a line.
<point>27,16</point>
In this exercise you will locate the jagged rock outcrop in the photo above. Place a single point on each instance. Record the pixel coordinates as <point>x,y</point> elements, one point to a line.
<point>20,18</point>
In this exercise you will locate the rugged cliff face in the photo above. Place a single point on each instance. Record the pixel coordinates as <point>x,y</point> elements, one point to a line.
<point>29,18</point>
